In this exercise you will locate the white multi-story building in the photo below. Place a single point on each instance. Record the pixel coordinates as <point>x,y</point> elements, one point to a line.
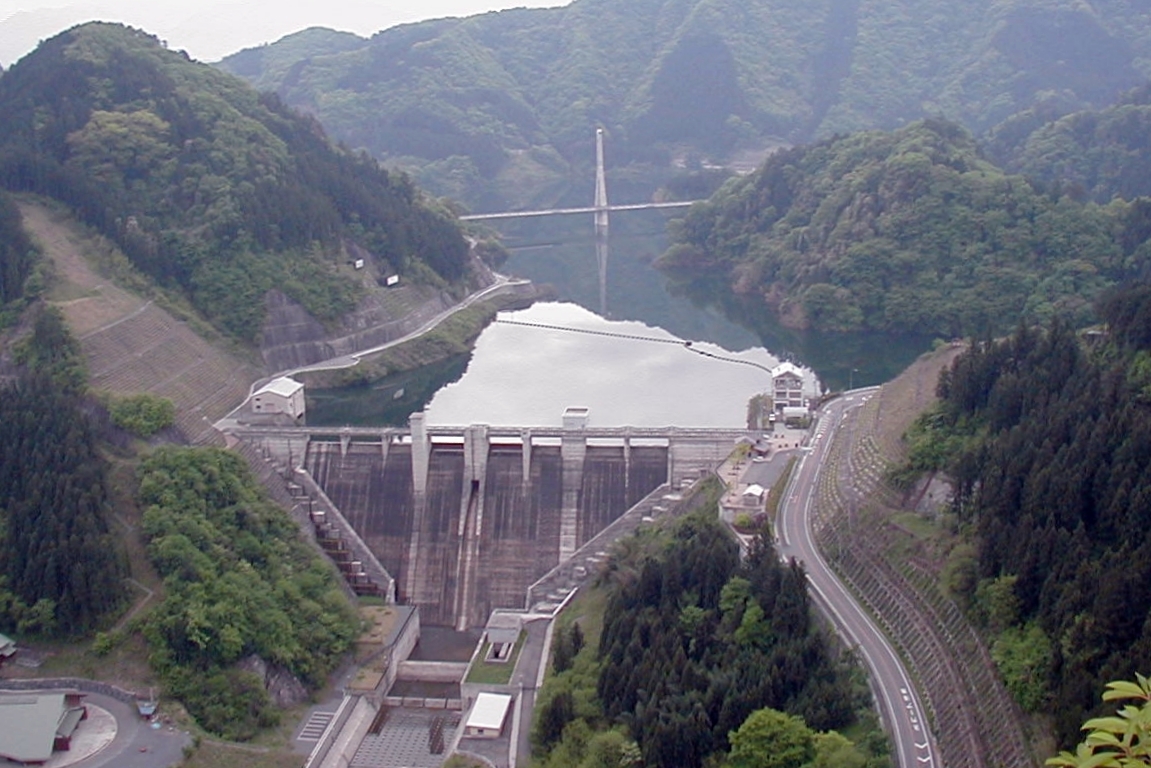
<point>787,387</point>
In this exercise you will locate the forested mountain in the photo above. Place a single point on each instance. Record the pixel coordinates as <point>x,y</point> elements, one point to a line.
<point>1050,448</point>
<point>1090,154</point>
<point>207,186</point>
<point>512,89</point>
<point>904,231</point>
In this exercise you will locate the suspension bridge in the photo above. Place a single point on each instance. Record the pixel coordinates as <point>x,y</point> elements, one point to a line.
<point>600,209</point>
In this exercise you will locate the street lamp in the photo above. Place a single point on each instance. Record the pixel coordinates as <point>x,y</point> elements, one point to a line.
<point>851,379</point>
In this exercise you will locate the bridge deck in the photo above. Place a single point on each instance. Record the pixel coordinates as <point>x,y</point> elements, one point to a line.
<point>582,209</point>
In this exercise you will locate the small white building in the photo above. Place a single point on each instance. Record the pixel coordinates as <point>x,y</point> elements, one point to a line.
<point>753,495</point>
<point>282,395</point>
<point>502,633</point>
<point>575,417</point>
<point>486,720</point>
<point>786,387</point>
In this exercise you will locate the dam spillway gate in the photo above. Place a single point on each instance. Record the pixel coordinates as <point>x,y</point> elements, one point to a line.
<point>465,519</point>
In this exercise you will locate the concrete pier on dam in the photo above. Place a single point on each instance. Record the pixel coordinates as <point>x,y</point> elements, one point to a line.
<point>466,519</point>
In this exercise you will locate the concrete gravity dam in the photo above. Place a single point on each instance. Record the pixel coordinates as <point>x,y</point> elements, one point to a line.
<point>461,520</point>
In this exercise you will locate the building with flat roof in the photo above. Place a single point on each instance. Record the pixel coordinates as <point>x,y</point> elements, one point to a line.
<point>282,395</point>
<point>34,724</point>
<point>787,387</point>
<point>486,720</point>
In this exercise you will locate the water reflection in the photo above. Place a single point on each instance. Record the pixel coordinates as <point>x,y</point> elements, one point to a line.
<point>839,360</point>
<point>387,402</point>
<point>523,376</point>
<point>529,375</point>
<point>561,252</point>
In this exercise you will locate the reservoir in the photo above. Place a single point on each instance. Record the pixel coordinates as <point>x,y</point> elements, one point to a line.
<point>639,375</point>
<point>527,375</point>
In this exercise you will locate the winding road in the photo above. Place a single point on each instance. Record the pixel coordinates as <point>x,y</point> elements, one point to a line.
<point>500,284</point>
<point>896,698</point>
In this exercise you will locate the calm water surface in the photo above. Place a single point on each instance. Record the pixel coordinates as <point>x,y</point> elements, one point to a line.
<point>528,376</point>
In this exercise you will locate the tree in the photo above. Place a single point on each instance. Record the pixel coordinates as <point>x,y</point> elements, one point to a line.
<point>1023,655</point>
<point>61,569</point>
<point>771,739</point>
<point>576,637</point>
<point>143,414</point>
<point>1123,741</point>
<point>553,718</point>
<point>17,253</point>
<point>832,750</point>
<point>239,580</point>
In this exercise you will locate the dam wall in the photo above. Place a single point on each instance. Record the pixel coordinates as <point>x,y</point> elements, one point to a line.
<point>465,520</point>
<point>690,449</point>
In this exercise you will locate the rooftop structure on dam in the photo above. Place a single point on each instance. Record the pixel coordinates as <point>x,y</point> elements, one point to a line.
<point>461,520</point>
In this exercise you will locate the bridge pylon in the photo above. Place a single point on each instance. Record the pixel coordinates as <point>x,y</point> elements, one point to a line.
<point>601,221</point>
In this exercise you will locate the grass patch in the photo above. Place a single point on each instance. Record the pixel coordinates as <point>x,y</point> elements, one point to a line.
<point>497,672</point>
<point>586,609</point>
<point>107,260</point>
<point>214,754</point>
<point>462,761</point>
<point>917,525</point>
<point>775,495</point>
<point>124,664</point>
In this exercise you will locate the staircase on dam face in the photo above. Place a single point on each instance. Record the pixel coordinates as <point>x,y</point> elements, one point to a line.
<point>315,514</point>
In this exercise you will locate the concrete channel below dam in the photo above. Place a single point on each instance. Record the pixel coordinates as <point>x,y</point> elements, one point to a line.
<point>466,519</point>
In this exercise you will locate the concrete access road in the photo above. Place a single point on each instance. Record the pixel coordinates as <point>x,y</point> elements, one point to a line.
<point>898,702</point>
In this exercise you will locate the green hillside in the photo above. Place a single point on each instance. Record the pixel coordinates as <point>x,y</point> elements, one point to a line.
<point>1049,442</point>
<point>909,231</point>
<point>207,186</point>
<point>669,76</point>
<point>1095,154</point>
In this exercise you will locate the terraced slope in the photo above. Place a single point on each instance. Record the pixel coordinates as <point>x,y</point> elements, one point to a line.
<point>132,345</point>
<point>896,574</point>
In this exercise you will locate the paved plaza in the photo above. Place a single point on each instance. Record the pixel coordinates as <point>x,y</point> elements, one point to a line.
<point>407,739</point>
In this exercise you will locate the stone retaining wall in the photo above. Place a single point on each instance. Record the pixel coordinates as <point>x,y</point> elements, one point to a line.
<point>69,683</point>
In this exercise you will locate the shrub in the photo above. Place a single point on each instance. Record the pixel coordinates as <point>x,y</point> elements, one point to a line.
<point>143,414</point>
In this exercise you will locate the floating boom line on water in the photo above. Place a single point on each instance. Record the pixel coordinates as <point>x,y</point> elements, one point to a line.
<point>635,337</point>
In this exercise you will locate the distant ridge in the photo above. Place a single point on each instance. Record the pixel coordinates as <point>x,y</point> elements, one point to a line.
<point>465,99</point>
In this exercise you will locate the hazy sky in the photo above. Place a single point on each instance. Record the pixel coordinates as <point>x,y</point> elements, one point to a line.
<point>213,29</point>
